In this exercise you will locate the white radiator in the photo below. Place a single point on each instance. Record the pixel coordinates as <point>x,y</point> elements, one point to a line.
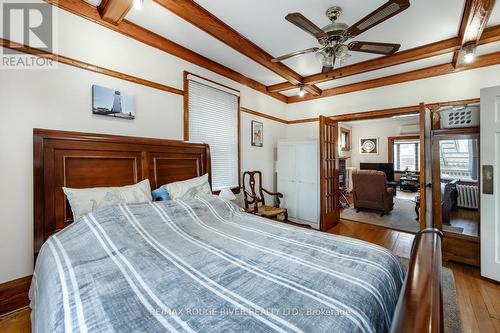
<point>468,196</point>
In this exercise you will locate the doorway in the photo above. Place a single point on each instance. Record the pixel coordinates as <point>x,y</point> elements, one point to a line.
<point>353,149</point>
<point>456,179</point>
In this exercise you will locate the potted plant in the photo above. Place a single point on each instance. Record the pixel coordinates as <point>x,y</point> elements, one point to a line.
<point>408,173</point>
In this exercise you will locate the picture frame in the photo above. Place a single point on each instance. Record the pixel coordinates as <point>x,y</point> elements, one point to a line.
<point>257,133</point>
<point>369,146</point>
<point>112,103</point>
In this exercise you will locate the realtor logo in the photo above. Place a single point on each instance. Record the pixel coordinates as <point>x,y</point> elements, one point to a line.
<point>27,24</point>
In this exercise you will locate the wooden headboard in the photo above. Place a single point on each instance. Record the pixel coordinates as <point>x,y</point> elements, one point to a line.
<point>81,160</point>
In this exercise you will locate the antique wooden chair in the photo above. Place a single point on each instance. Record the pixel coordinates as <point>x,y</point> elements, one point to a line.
<point>253,198</point>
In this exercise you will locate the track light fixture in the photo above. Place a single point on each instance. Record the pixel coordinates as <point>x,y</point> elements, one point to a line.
<point>469,53</point>
<point>301,91</point>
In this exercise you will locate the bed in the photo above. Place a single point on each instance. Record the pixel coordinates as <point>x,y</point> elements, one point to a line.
<point>202,264</point>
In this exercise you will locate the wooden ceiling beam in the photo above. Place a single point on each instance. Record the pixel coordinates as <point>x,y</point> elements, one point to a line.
<point>461,29</point>
<point>114,11</point>
<point>313,90</point>
<point>89,12</point>
<point>474,19</point>
<point>384,113</point>
<point>198,16</point>
<point>490,35</point>
<point>424,73</point>
<point>283,86</point>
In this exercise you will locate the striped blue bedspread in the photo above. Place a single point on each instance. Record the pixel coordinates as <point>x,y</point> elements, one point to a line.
<point>202,265</point>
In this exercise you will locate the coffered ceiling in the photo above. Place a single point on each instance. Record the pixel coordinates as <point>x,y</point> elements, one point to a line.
<point>262,23</point>
<point>165,23</point>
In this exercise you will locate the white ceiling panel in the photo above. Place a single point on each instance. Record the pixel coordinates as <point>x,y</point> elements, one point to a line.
<point>292,92</point>
<point>437,60</point>
<point>262,21</point>
<point>163,22</point>
<point>488,48</point>
<point>495,15</point>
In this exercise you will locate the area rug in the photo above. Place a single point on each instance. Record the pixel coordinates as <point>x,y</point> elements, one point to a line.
<point>402,217</point>
<point>451,311</point>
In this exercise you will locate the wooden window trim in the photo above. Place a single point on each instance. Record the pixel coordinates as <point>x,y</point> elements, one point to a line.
<point>348,144</point>
<point>235,190</point>
<point>390,146</point>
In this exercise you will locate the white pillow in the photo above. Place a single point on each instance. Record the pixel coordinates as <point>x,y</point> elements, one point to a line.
<point>86,200</point>
<point>189,188</point>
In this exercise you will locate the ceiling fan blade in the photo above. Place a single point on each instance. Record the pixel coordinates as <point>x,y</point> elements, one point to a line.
<point>294,54</point>
<point>377,48</point>
<point>384,12</point>
<point>326,69</point>
<point>303,23</point>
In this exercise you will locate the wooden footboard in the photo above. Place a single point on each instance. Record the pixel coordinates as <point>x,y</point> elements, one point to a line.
<point>420,304</point>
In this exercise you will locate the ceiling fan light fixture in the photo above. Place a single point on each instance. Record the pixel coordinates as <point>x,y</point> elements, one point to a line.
<point>333,37</point>
<point>325,58</point>
<point>469,53</point>
<point>321,57</point>
<point>341,51</point>
<point>344,59</point>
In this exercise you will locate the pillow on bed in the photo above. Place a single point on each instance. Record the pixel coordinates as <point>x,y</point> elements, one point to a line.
<point>86,200</point>
<point>160,194</point>
<point>189,188</point>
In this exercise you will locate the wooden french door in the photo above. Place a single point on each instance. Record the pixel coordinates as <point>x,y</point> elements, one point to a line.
<point>329,175</point>
<point>425,167</point>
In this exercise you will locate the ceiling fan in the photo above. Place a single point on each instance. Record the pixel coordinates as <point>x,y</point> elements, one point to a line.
<point>334,36</point>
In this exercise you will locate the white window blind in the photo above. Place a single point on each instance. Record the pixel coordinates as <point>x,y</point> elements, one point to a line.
<point>213,119</point>
<point>406,155</point>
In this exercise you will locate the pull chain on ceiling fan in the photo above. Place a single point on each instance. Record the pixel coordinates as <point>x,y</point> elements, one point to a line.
<point>334,36</point>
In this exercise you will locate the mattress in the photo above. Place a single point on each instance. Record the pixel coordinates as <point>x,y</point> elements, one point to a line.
<point>203,265</point>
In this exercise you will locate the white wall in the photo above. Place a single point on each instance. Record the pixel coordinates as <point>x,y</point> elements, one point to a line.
<point>379,128</point>
<point>61,99</point>
<point>304,130</point>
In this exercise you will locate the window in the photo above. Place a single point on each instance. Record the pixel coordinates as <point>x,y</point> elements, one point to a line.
<point>459,159</point>
<point>406,155</point>
<point>213,118</point>
<point>345,139</point>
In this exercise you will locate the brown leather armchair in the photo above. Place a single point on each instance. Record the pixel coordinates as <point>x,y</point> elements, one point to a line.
<point>370,191</point>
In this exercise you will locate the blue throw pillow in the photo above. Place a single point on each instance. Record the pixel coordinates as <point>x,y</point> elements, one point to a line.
<point>160,194</point>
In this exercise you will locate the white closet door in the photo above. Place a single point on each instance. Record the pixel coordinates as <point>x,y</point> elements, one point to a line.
<point>307,181</point>
<point>286,177</point>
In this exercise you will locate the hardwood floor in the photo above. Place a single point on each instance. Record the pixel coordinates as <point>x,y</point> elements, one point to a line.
<point>17,322</point>
<point>478,298</point>
<point>467,219</point>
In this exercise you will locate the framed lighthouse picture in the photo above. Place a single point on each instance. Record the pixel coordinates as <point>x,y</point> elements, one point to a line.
<point>112,103</point>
